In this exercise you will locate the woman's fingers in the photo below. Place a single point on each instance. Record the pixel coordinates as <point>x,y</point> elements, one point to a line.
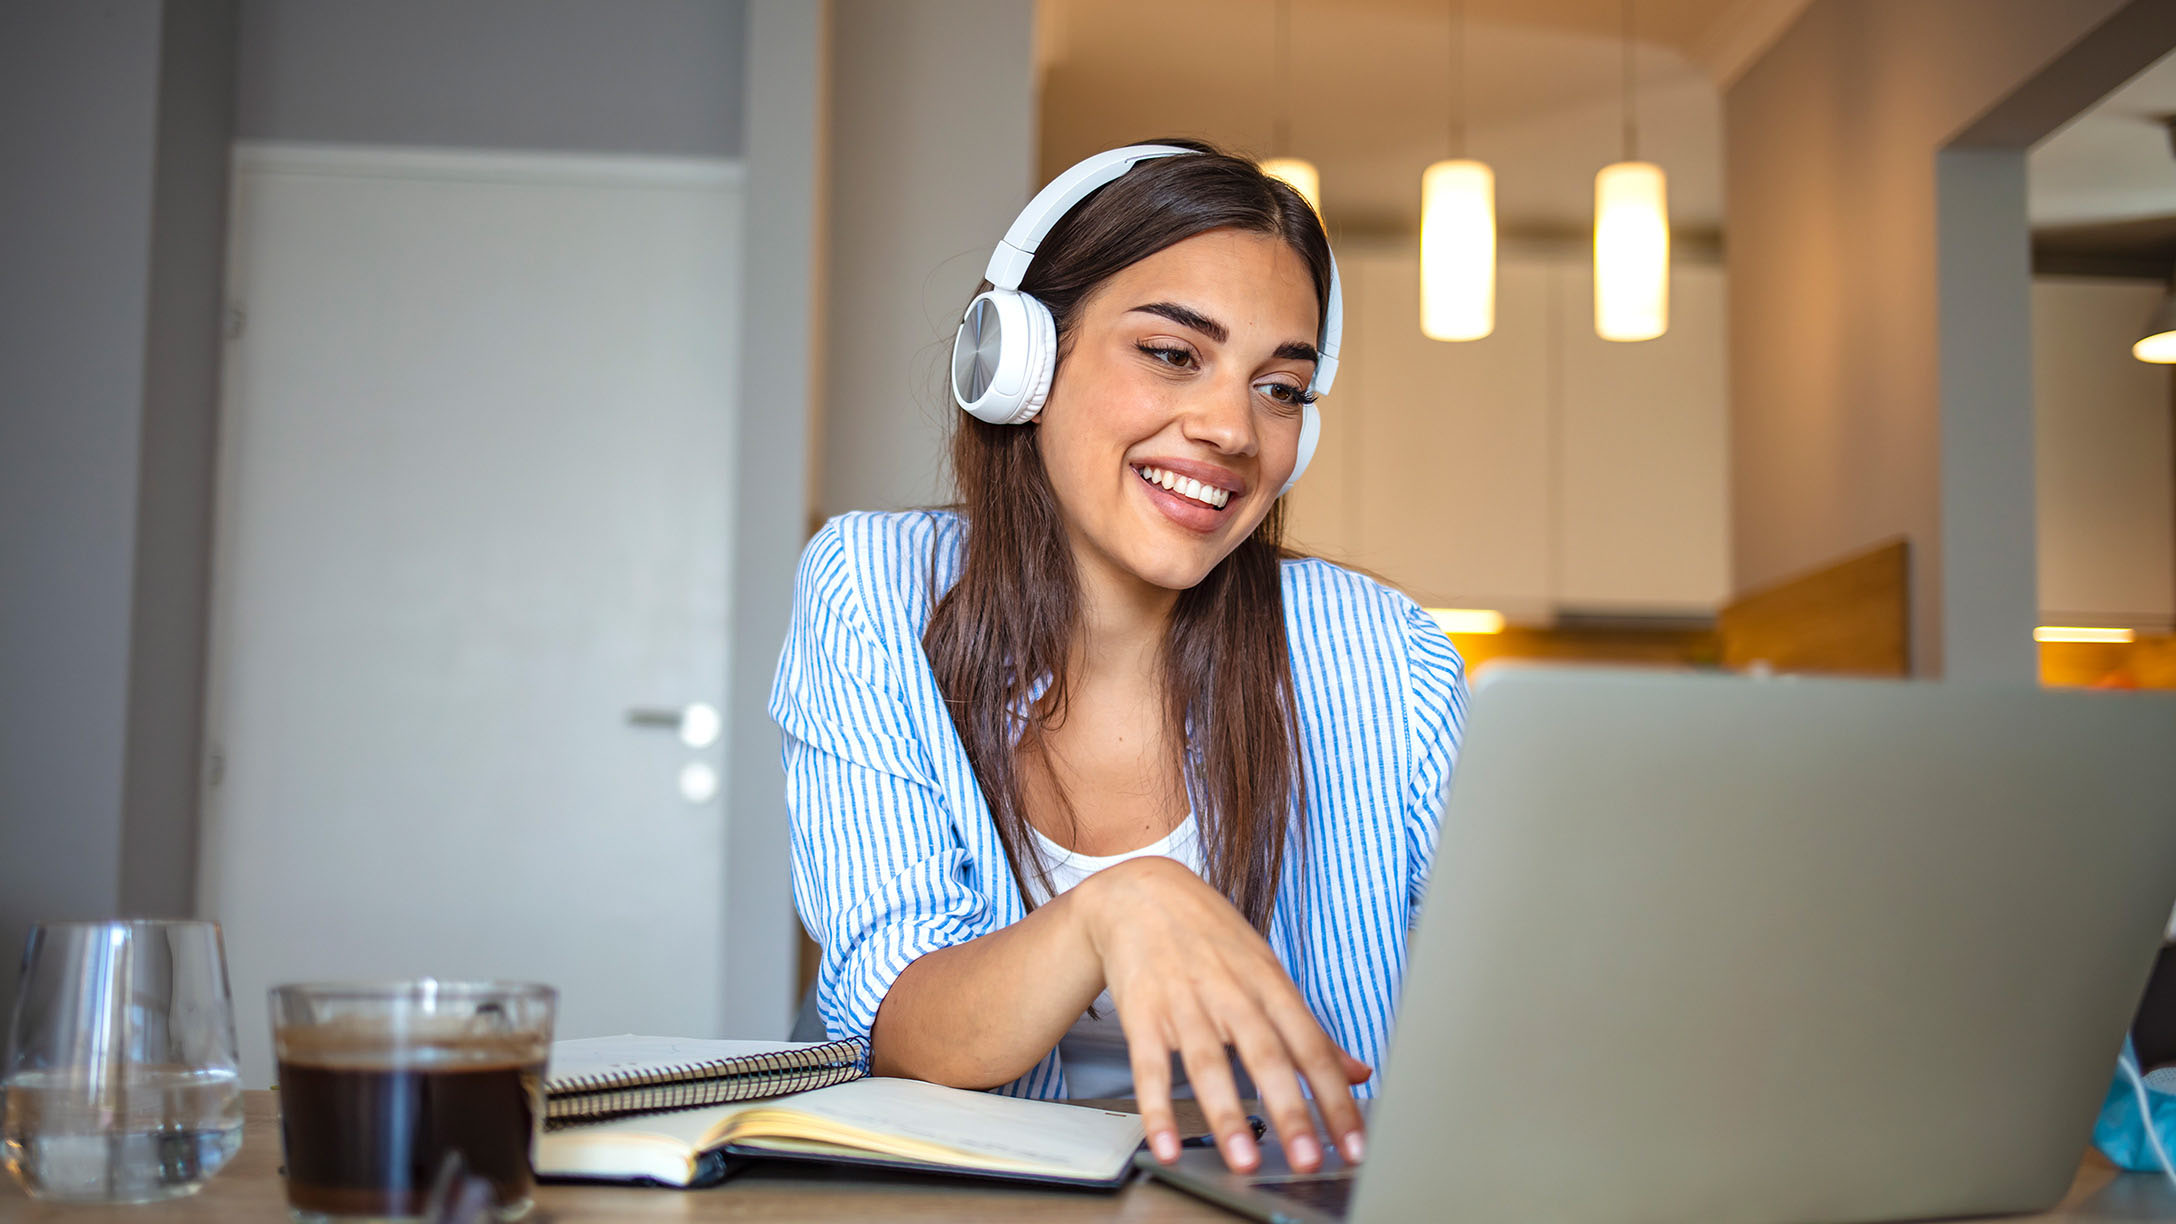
<point>1329,1071</point>
<point>1263,1051</point>
<point>1209,1072</point>
<point>1356,1071</point>
<point>1151,1060</point>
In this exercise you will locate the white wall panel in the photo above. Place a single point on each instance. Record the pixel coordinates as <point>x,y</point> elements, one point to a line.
<point>1643,479</point>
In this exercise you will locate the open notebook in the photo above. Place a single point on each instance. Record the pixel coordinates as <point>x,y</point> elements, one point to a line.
<point>594,1078</point>
<point>890,1123</point>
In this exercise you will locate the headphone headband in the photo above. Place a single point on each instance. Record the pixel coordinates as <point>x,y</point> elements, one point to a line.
<point>1009,262</point>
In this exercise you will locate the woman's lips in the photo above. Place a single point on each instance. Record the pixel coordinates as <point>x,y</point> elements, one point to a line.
<point>1185,511</point>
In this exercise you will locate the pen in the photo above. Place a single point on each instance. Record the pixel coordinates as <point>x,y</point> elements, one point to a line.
<point>1254,1123</point>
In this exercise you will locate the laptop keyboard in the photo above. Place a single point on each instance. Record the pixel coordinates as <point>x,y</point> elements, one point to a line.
<point>1325,1194</point>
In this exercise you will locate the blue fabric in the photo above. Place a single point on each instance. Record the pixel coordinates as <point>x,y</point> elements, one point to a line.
<point>2120,1133</point>
<point>894,851</point>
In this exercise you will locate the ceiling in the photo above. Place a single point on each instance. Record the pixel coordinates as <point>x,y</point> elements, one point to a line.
<point>1369,93</point>
<point>2101,192</point>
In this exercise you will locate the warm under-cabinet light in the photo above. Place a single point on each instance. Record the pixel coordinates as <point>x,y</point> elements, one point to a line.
<point>1467,620</point>
<point>2075,633</point>
<point>1631,252</point>
<point>1458,251</point>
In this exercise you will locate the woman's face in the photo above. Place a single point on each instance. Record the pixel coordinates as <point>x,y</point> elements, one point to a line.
<point>1189,366</point>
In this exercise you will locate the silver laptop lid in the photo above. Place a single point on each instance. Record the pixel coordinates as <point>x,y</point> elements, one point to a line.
<point>1735,950</point>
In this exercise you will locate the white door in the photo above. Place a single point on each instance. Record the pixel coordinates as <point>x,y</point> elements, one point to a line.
<point>476,438</point>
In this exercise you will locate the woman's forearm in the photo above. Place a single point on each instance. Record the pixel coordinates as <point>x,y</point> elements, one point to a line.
<point>983,1013</point>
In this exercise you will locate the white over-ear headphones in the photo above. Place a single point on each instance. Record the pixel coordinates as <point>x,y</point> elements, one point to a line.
<point>1007,347</point>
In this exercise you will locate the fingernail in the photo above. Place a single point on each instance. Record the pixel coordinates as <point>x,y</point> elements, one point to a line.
<point>1239,1152</point>
<point>1165,1144</point>
<point>1356,1147</point>
<point>1305,1152</point>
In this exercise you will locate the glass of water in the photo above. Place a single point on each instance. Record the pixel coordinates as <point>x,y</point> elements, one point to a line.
<point>121,1083</point>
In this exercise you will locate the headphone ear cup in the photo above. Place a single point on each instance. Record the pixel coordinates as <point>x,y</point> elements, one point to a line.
<point>1310,434</point>
<point>1042,359</point>
<point>1002,357</point>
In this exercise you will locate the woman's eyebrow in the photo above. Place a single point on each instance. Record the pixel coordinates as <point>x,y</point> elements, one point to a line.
<point>1186,316</point>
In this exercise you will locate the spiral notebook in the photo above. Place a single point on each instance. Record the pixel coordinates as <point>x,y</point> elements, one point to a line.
<point>871,1122</point>
<point>591,1079</point>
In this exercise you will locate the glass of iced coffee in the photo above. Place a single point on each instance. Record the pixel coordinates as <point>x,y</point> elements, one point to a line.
<point>385,1086</point>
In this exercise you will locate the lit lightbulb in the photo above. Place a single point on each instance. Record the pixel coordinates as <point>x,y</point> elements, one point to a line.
<point>1631,252</point>
<point>1457,250</point>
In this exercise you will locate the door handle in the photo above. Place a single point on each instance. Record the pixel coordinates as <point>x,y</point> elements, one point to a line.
<point>697,722</point>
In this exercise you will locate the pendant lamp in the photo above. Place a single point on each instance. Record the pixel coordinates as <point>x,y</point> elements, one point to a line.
<point>1458,224</point>
<point>2157,342</point>
<point>1631,234</point>
<point>1297,171</point>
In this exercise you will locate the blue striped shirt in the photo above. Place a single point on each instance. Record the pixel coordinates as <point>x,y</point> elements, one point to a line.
<point>894,851</point>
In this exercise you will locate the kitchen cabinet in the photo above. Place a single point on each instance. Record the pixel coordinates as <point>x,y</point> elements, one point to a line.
<point>1539,471</point>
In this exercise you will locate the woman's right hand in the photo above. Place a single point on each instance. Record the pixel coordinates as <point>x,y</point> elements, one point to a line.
<point>1190,976</point>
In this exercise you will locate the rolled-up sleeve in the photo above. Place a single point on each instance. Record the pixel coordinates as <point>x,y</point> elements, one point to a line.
<point>879,874</point>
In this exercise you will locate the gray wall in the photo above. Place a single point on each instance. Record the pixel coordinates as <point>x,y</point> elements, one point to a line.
<point>114,197</point>
<point>789,86</point>
<point>175,490</point>
<point>1830,144</point>
<point>932,154</point>
<point>121,113</point>
<point>620,76</point>
<point>889,143</point>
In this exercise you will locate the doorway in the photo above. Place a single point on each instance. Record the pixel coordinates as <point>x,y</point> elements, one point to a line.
<point>474,533</point>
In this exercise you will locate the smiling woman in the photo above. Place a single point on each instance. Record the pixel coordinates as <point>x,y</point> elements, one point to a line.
<point>1089,771</point>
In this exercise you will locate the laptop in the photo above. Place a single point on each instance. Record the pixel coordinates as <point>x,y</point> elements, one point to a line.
<point>1751,951</point>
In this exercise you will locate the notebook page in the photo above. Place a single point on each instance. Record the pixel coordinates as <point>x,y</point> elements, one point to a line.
<point>1006,1130</point>
<point>591,1055</point>
<point>662,1146</point>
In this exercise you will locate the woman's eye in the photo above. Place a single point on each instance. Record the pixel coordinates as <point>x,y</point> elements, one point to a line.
<point>1288,394</point>
<point>1177,357</point>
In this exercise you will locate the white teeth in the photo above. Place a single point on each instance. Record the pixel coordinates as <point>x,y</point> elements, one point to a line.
<point>1206,494</point>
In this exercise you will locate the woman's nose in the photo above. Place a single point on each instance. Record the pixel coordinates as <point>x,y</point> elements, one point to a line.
<point>1223,417</point>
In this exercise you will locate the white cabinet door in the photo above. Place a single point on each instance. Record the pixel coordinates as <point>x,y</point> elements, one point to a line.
<point>476,439</point>
<point>1537,471</point>
<point>1643,482</point>
<point>1433,468</point>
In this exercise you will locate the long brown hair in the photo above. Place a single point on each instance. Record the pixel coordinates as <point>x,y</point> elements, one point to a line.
<point>1010,621</point>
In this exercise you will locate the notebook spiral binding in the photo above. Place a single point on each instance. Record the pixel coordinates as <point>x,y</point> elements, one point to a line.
<point>611,1094</point>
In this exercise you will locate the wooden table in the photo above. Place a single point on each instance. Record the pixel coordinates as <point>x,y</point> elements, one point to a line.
<point>249,1192</point>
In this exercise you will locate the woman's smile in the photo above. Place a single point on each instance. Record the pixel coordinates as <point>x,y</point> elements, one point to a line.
<point>1195,496</point>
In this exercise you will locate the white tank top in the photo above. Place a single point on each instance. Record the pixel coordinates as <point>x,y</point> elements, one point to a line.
<point>1094,1049</point>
